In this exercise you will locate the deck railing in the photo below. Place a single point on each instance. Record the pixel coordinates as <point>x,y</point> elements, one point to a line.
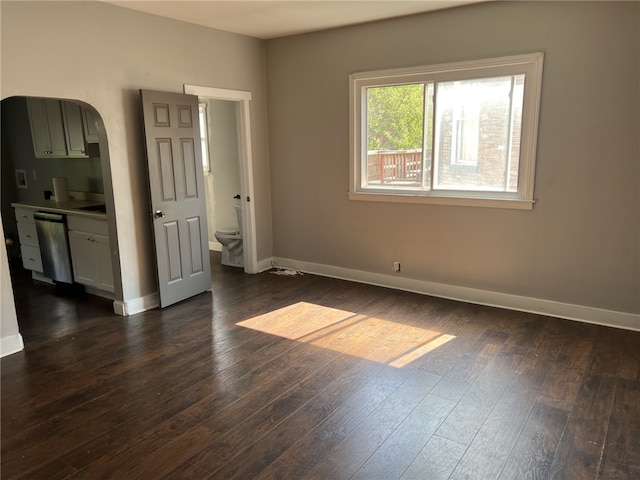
<point>394,166</point>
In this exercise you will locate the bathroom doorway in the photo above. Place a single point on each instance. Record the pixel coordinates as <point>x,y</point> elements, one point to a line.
<point>229,181</point>
<point>221,166</point>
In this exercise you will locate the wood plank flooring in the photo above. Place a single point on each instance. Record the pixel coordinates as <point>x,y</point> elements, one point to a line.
<point>276,377</point>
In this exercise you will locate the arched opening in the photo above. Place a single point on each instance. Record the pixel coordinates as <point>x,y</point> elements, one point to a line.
<point>47,138</point>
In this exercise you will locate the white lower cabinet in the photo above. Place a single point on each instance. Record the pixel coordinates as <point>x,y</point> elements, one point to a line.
<point>29,246</point>
<point>90,252</point>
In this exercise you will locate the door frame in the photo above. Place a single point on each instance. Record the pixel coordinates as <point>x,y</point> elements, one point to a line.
<point>242,98</point>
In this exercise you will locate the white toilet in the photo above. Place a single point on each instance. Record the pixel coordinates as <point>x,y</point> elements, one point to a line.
<point>231,240</point>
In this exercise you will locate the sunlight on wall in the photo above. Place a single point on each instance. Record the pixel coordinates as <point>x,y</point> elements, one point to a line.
<point>392,343</point>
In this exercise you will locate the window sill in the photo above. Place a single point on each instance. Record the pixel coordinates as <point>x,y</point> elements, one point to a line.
<point>517,204</point>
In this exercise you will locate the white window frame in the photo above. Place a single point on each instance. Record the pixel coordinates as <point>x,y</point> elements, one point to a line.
<point>529,64</point>
<point>203,116</point>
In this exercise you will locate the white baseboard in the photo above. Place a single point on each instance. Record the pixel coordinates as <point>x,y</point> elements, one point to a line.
<point>265,264</point>
<point>215,246</point>
<point>11,344</point>
<point>41,278</point>
<point>136,305</point>
<point>610,318</point>
<point>99,293</point>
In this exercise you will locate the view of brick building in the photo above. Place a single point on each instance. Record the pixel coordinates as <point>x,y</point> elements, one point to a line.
<point>477,138</point>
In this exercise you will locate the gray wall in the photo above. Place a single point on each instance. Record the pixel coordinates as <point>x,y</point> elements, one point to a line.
<point>580,244</point>
<point>102,55</point>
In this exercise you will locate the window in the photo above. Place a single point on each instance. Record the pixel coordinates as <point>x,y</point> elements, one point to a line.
<point>204,137</point>
<point>461,133</point>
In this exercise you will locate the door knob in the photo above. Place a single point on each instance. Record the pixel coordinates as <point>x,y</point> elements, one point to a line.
<point>158,214</point>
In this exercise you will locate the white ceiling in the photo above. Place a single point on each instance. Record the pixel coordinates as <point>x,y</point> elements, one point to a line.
<point>269,19</point>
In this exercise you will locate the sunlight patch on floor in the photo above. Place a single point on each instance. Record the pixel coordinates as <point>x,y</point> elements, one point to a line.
<point>382,341</point>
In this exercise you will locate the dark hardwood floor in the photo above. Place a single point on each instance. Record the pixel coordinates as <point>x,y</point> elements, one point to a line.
<point>276,377</point>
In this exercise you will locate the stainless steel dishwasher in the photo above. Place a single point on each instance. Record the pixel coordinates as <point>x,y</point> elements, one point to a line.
<point>54,246</point>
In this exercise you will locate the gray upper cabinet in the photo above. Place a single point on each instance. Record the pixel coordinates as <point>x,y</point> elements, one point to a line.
<point>47,131</point>
<point>56,128</point>
<point>89,123</point>
<point>74,129</point>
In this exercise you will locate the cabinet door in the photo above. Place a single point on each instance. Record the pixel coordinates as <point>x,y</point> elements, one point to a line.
<point>56,128</point>
<point>74,129</point>
<point>105,270</point>
<point>91,260</point>
<point>84,258</point>
<point>89,123</point>
<point>39,127</point>
<point>47,128</point>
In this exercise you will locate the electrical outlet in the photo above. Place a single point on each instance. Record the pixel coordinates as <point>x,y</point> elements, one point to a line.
<point>396,266</point>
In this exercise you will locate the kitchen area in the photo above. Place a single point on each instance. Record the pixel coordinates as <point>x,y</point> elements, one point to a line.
<point>54,214</point>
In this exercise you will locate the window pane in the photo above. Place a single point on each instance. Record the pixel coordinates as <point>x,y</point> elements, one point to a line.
<point>428,136</point>
<point>204,137</point>
<point>477,122</point>
<point>515,132</point>
<point>395,126</point>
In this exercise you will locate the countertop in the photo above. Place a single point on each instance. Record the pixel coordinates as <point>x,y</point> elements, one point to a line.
<point>73,206</point>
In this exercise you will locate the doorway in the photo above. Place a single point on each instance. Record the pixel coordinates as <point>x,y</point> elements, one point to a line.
<point>238,102</point>
<point>88,174</point>
<point>221,166</point>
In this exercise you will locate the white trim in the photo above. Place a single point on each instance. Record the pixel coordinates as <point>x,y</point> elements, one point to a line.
<point>243,98</point>
<point>249,244</point>
<point>443,200</point>
<point>215,246</point>
<point>448,71</point>
<point>40,277</point>
<point>11,344</point>
<point>99,293</point>
<point>119,308</point>
<point>219,93</point>
<point>136,305</point>
<point>265,264</point>
<point>581,313</point>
